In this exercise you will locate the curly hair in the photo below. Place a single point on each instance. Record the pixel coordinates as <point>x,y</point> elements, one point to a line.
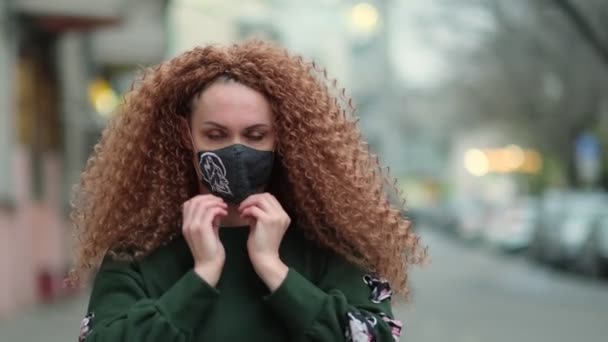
<point>131,191</point>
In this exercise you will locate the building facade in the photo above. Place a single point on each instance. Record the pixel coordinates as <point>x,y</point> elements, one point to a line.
<point>51,52</point>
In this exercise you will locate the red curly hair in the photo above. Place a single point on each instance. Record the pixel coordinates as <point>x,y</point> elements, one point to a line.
<point>131,191</point>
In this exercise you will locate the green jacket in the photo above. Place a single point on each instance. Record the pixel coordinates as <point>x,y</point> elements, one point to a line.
<point>160,298</point>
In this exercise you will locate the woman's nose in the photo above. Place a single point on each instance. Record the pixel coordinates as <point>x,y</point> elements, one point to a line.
<point>236,140</point>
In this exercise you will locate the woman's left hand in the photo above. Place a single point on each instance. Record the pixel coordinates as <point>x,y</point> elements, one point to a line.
<point>269,222</point>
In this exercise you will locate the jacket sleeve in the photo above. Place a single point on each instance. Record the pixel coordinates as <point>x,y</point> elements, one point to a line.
<point>347,305</point>
<point>121,311</point>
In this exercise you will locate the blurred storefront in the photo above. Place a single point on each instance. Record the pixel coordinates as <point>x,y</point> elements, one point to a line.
<point>54,55</point>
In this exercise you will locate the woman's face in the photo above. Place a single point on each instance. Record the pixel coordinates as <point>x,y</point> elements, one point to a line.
<point>228,113</point>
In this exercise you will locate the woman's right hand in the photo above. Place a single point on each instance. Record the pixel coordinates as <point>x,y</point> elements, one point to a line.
<point>201,216</point>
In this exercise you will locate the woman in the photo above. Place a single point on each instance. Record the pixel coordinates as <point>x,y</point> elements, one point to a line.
<point>232,199</point>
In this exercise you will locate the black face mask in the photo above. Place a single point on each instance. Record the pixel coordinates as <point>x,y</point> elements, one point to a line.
<point>235,172</point>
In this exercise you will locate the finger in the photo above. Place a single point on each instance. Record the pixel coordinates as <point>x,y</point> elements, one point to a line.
<point>211,214</point>
<point>200,223</point>
<point>274,201</point>
<point>216,226</point>
<point>186,223</point>
<point>186,213</point>
<point>216,222</point>
<point>209,196</point>
<point>254,212</point>
<point>258,200</point>
<point>268,204</point>
<point>207,199</point>
<point>249,201</point>
<point>190,208</point>
<point>207,217</point>
<point>202,204</point>
<point>277,210</point>
<point>186,227</point>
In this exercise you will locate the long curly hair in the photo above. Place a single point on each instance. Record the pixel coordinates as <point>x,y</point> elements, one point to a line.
<point>131,191</point>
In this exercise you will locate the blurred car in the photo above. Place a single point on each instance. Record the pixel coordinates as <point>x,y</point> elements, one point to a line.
<point>426,217</point>
<point>602,242</point>
<point>566,237</point>
<point>553,205</point>
<point>512,226</point>
<point>593,259</point>
<point>469,219</point>
<point>442,218</point>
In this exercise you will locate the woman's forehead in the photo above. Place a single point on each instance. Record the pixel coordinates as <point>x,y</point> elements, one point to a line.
<point>231,104</point>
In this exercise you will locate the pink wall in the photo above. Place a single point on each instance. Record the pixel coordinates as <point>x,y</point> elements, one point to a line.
<point>33,235</point>
<point>6,262</point>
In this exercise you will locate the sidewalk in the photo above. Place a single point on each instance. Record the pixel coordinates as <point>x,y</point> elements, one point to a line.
<point>58,322</point>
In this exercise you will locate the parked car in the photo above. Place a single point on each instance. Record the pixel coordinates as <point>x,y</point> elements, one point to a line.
<point>470,219</point>
<point>512,226</point>
<point>601,236</point>
<point>552,206</point>
<point>427,217</point>
<point>565,239</point>
<point>593,259</point>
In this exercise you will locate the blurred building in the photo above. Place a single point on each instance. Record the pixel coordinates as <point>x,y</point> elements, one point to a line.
<point>62,63</point>
<point>296,25</point>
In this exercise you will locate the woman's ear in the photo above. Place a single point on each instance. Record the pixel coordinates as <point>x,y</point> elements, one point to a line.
<point>185,133</point>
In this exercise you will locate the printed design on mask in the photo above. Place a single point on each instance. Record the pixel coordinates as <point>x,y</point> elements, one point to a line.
<point>214,173</point>
<point>360,327</point>
<point>395,325</point>
<point>86,327</point>
<point>381,289</point>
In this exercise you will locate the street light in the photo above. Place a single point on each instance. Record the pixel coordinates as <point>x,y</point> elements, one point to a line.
<point>476,162</point>
<point>103,97</point>
<point>364,18</point>
<point>512,159</point>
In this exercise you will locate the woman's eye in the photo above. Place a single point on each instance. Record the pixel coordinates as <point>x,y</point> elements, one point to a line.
<point>215,136</point>
<point>256,137</point>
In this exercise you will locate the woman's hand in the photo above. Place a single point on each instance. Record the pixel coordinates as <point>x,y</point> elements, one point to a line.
<point>201,230</point>
<point>269,222</point>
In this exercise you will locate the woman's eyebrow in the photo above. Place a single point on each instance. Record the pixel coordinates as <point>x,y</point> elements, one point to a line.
<point>220,126</point>
<point>215,124</point>
<point>252,127</point>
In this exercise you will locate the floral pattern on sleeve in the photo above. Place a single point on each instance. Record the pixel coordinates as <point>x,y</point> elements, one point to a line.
<point>86,327</point>
<point>395,325</point>
<point>381,289</point>
<point>360,328</point>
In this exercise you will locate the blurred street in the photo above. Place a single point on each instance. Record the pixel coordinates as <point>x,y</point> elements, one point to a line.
<point>52,323</point>
<point>474,295</point>
<point>464,295</point>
